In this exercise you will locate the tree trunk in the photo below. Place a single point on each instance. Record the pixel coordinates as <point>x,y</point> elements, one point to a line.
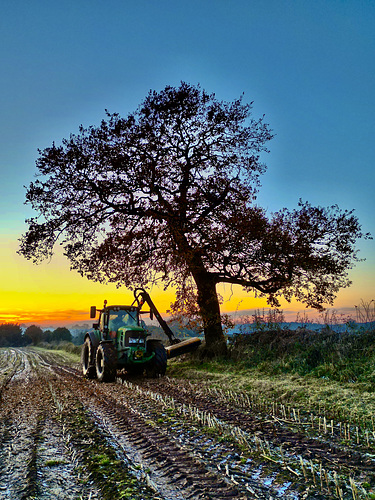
<point>208,303</point>
<point>207,298</point>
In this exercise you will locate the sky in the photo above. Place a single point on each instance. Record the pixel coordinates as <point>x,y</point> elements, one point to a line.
<point>309,67</point>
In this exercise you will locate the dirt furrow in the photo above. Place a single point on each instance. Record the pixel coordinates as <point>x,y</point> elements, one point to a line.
<point>34,461</point>
<point>62,436</point>
<point>125,419</point>
<point>11,363</point>
<point>272,430</point>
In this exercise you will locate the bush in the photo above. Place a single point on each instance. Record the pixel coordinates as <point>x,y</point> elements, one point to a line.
<point>346,357</point>
<point>69,347</point>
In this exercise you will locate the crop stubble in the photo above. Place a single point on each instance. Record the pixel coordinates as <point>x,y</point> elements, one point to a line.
<point>62,436</point>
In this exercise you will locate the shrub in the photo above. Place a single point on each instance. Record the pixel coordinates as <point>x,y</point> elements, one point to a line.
<point>346,357</point>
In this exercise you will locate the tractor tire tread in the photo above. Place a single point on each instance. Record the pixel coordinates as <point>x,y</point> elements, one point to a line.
<point>158,364</point>
<point>88,359</point>
<point>106,362</point>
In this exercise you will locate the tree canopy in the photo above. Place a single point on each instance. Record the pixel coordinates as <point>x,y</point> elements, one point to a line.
<point>11,336</point>
<point>61,334</point>
<point>168,194</point>
<point>35,333</point>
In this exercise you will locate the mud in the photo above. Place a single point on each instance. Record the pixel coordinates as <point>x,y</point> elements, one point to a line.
<point>62,436</point>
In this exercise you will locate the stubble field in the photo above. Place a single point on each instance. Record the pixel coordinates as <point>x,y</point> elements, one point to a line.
<point>201,437</point>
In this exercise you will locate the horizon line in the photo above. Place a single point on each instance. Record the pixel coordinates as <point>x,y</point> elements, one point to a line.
<point>70,317</point>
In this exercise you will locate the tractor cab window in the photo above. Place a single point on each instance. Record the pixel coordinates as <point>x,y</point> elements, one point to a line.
<point>121,318</point>
<point>101,322</point>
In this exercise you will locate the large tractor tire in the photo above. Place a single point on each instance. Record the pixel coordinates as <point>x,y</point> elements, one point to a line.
<point>158,365</point>
<point>106,362</point>
<point>88,359</point>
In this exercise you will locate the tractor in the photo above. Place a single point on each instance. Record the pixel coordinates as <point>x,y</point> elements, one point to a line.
<point>119,340</point>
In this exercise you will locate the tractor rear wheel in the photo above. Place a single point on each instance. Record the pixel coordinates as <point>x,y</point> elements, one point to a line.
<point>88,359</point>
<point>106,362</point>
<point>158,365</point>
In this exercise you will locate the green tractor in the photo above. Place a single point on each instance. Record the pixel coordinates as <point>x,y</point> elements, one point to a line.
<point>119,340</point>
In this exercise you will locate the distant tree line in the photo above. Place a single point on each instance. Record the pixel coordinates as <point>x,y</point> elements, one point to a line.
<point>11,335</point>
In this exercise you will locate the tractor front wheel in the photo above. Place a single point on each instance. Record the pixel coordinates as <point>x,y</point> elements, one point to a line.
<point>88,359</point>
<point>106,363</point>
<point>158,365</point>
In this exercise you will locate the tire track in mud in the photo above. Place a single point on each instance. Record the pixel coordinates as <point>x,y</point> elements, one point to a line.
<point>33,460</point>
<point>348,466</point>
<point>259,477</point>
<point>148,439</point>
<point>11,363</point>
<point>178,457</point>
<point>41,413</point>
<point>18,429</point>
<point>174,472</point>
<point>273,430</point>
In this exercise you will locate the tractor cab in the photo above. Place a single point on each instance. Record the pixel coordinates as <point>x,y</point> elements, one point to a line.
<point>121,324</point>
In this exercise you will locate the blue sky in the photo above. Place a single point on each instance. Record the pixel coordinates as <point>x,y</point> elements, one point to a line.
<point>309,66</point>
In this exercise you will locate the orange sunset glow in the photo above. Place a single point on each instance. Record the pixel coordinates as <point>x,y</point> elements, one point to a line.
<point>50,294</point>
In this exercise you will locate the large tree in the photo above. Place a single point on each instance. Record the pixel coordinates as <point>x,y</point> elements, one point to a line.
<point>61,334</point>
<point>169,194</point>
<point>35,333</point>
<point>11,335</point>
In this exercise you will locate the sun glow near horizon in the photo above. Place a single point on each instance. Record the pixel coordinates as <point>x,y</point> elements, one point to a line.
<point>51,294</point>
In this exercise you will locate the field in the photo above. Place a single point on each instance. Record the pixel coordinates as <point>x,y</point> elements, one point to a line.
<point>205,431</point>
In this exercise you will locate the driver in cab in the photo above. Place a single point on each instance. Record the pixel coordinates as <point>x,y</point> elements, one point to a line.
<point>116,321</point>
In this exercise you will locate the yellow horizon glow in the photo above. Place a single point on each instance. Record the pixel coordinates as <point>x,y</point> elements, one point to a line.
<point>52,294</point>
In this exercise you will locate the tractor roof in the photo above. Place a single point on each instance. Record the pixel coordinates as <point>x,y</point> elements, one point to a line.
<point>121,307</point>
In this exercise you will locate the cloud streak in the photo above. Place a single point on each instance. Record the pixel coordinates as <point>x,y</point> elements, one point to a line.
<point>45,318</point>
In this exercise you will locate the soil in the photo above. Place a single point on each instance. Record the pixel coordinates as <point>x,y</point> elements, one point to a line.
<point>63,436</point>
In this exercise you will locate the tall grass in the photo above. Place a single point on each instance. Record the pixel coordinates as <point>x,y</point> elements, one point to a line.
<point>365,312</point>
<point>62,346</point>
<point>348,356</point>
<point>345,357</point>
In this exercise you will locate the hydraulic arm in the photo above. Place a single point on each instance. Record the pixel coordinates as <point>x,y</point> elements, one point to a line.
<point>177,347</point>
<point>141,297</point>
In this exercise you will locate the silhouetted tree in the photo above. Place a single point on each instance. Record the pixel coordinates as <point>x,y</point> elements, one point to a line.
<point>168,194</point>
<point>11,336</point>
<point>35,333</point>
<point>61,334</point>
<point>47,336</point>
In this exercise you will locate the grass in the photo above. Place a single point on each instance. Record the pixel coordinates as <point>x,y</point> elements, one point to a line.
<point>327,371</point>
<point>54,463</point>
<point>62,346</point>
<point>63,350</point>
<point>346,399</point>
<point>344,357</point>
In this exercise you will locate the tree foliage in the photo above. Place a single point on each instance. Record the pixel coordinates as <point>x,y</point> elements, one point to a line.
<point>61,334</point>
<point>169,194</point>
<point>11,336</point>
<point>35,333</point>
